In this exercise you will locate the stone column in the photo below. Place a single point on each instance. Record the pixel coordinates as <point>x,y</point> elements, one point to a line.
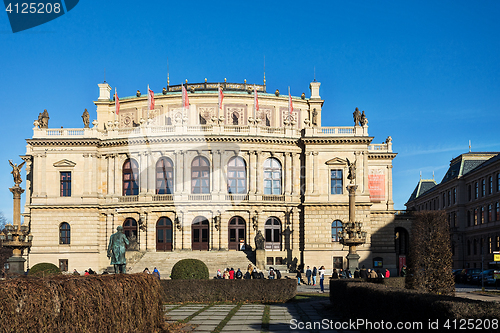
<point>252,182</point>
<point>95,176</point>
<point>352,257</point>
<point>143,175</point>
<point>87,174</point>
<point>216,174</point>
<point>288,174</point>
<point>151,171</point>
<point>258,174</point>
<point>16,262</point>
<point>316,178</point>
<point>43,174</point>
<point>117,175</point>
<point>310,172</point>
<point>187,172</point>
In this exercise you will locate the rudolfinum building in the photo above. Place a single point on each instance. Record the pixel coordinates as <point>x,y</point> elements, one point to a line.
<point>196,171</point>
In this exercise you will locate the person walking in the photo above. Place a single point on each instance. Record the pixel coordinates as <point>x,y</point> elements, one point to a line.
<point>322,278</point>
<point>314,273</point>
<point>299,276</point>
<point>308,275</point>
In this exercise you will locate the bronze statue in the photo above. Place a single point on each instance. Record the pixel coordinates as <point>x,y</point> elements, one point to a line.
<point>363,121</point>
<point>86,118</point>
<point>357,117</point>
<point>118,243</point>
<point>259,241</point>
<point>352,170</point>
<point>16,172</point>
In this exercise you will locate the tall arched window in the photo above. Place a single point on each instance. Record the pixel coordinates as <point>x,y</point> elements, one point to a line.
<point>130,177</point>
<point>336,228</point>
<point>164,176</point>
<point>200,175</point>
<point>64,233</point>
<point>236,175</point>
<point>272,176</point>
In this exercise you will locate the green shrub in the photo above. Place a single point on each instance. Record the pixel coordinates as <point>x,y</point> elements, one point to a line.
<point>43,269</point>
<point>189,269</point>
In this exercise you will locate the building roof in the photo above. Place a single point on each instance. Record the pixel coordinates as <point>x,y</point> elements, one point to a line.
<point>423,186</point>
<point>459,166</point>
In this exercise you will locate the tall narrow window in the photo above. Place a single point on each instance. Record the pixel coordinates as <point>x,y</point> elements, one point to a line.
<point>272,176</point>
<point>449,197</point>
<point>454,195</point>
<point>200,175</point>
<point>483,187</point>
<point>498,182</point>
<point>490,213</point>
<point>336,228</point>
<point>490,188</point>
<point>164,176</point>
<point>444,199</point>
<point>469,192</point>
<point>130,177</point>
<point>336,181</point>
<point>476,190</point>
<point>64,233</point>
<point>236,175</point>
<point>475,216</point>
<point>497,211</point>
<point>482,214</point>
<point>65,184</point>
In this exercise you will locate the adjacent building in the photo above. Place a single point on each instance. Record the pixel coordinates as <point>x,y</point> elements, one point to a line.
<point>204,170</point>
<point>470,195</point>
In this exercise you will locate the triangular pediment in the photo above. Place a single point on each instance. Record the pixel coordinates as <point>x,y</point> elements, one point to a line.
<point>64,163</point>
<point>336,161</point>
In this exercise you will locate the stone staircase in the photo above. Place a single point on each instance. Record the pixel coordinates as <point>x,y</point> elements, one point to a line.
<point>214,260</point>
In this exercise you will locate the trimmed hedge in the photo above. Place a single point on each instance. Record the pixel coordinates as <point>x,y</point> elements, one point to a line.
<point>98,303</point>
<point>220,290</point>
<point>44,269</point>
<point>189,269</point>
<point>376,302</point>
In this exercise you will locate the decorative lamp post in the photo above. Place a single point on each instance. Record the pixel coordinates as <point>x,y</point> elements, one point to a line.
<point>16,236</point>
<point>352,233</point>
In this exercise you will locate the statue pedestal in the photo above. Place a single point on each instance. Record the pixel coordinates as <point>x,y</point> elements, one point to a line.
<point>353,261</point>
<point>260,259</point>
<point>16,265</point>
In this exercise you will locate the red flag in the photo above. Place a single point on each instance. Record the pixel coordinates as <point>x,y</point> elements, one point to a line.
<point>290,103</point>
<point>151,99</point>
<point>256,99</point>
<point>117,103</point>
<point>185,98</point>
<point>221,97</point>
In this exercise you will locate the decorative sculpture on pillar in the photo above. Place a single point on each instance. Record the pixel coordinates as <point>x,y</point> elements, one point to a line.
<point>352,234</point>
<point>357,117</point>
<point>16,236</point>
<point>260,252</point>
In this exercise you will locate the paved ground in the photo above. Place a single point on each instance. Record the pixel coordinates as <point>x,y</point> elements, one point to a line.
<point>287,317</point>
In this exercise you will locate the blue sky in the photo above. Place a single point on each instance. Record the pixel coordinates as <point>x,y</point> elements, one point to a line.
<point>425,72</point>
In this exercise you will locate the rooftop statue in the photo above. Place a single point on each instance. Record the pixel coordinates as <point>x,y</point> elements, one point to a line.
<point>363,121</point>
<point>16,172</point>
<point>86,118</point>
<point>357,117</point>
<point>43,119</point>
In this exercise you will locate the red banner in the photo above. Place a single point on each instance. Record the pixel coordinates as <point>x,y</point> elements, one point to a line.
<point>376,185</point>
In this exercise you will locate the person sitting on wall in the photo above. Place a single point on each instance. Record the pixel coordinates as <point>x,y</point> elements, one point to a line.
<point>356,273</point>
<point>238,274</point>
<point>335,274</point>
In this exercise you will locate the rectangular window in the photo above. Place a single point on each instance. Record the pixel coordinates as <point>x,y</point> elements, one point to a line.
<point>336,181</point>
<point>63,265</point>
<point>454,196</point>
<point>65,184</point>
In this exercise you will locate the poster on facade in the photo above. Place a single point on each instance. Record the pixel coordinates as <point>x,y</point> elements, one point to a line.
<point>376,185</point>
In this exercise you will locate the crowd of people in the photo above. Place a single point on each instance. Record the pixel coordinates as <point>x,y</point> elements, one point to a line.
<point>251,273</point>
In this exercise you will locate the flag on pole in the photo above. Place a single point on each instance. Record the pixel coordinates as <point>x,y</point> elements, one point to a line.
<point>290,103</point>
<point>151,99</point>
<point>117,103</point>
<point>221,97</point>
<point>185,98</point>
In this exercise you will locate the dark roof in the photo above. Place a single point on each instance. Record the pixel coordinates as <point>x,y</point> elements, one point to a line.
<point>465,163</point>
<point>423,186</point>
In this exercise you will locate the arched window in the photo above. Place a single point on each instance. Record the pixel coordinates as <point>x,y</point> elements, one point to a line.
<point>272,229</point>
<point>236,175</point>
<point>164,176</point>
<point>130,229</point>
<point>64,233</point>
<point>336,228</point>
<point>130,177</point>
<point>236,232</point>
<point>272,176</point>
<point>200,175</point>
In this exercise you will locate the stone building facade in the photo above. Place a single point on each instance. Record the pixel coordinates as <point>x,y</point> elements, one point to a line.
<point>470,195</point>
<point>206,176</point>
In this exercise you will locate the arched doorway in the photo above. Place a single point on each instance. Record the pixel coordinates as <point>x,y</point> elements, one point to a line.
<point>401,244</point>
<point>164,234</point>
<point>273,234</point>
<point>199,234</point>
<point>236,233</point>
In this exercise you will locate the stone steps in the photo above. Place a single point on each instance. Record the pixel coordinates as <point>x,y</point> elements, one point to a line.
<point>164,261</point>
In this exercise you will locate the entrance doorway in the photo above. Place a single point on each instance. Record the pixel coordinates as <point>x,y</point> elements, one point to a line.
<point>164,234</point>
<point>236,233</point>
<point>199,234</point>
